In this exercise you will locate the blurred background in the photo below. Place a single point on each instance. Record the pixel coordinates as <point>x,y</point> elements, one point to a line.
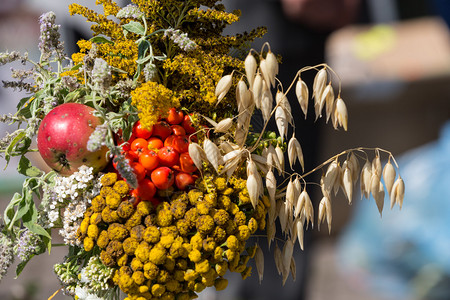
<point>393,60</point>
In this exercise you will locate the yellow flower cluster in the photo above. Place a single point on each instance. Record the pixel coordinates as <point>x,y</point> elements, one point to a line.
<point>109,7</point>
<point>201,70</point>
<point>150,8</point>
<point>180,247</point>
<point>122,55</point>
<point>153,101</point>
<point>222,44</point>
<point>212,15</point>
<point>104,26</point>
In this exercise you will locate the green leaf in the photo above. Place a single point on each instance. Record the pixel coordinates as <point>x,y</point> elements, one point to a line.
<point>100,40</point>
<point>9,213</point>
<point>143,46</point>
<point>23,209</point>
<point>26,168</point>
<point>23,146</point>
<point>22,265</point>
<point>127,133</point>
<point>25,112</point>
<point>134,27</point>
<point>22,102</point>
<point>36,228</point>
<point>143,60</point>
<point>11,146</point>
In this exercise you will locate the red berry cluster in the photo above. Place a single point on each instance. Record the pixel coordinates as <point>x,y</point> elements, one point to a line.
<point>159,156</point>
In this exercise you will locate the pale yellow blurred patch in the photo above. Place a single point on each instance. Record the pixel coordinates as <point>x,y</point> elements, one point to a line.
<point>374,42</point>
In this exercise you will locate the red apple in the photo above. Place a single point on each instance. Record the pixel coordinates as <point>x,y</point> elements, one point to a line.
<point>63,136</point>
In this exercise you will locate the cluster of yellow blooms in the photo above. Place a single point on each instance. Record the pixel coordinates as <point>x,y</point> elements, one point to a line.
<point>200,69</point>
<point>153,101</point>
<point>178,248</point>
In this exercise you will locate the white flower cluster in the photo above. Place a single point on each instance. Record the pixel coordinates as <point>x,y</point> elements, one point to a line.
<point>96,275</point>
<point>181,39</point>
<point>82,293</point>
<point>130,11</point>
<point>70,187</point>
<point>72,216</point>
<point>72,194</point>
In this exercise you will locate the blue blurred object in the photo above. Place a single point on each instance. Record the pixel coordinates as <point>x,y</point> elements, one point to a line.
<point>406,254</point>
<point>442,7</point>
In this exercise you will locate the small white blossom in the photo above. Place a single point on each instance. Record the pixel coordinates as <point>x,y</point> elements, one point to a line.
<point>181,39</point>
<point>81,293</point>
<point>130,11</point>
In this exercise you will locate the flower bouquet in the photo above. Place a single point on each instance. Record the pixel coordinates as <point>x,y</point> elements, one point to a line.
<point>157,178</point>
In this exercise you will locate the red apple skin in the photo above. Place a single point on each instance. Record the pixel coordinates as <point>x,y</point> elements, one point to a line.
<point>63,136</point>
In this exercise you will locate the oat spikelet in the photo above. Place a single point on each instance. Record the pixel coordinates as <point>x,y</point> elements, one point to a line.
<point>197,154</point>
<point>250,68</point>
<point>319,84</point>
<point>266,102</point>
<point>325,212</point>
<point>292,152</point>
<point>257,90</point>
<point>253,170</point>
<point>283,214</point>
<point>341,113</point>
<point>354,166</point>
<point>389,176</point>
<point>252,187</point>
<point>270,67</point>
<point>365,179</point>
<point>329,101</point>
<point>290,193</point>
<point>212,154</point>
<point>226,147</point>
<point>398,193</point>
<point>288,250</point>
<point>302,93</point>
<point>271,231</point>
<point>347,182</point>
<point>231,160</point>
<point>338,182</point>
<point>320,102</point>
<point>280,156</point>
<point>281,121</point>
<point>377,190</point>
<point>266,73</point>
<point>293,269</point>
<point>376,165</point>
<point>259,262</point>
<point>278,259</point>
<point>261,163</point>
<point>224,125</point>
<point>222,87</point>
<point>295,153</point>
<point>271,185</point>
<point>297,188</point>
<point>302,202</point>
<point>241,89</point>
<point>330,177</point>
<point>298,223</point>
